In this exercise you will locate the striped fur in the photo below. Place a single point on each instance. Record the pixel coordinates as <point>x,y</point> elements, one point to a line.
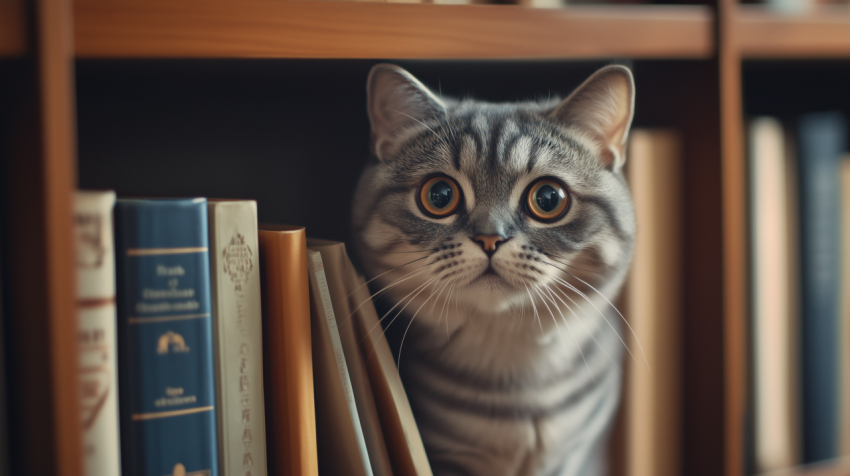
<point>515,370</point>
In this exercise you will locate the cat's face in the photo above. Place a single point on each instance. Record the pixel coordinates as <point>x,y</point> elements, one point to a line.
<point>495,207</point>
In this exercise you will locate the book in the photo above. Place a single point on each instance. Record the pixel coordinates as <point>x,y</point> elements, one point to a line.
<point>165,343</point>
<point>287,354</point>
<point>338,271</point>
<point>404,443</point>
<point>340,443</point>
<point>652,399</point>
<point>844,339</point>
<point>774,318</point>
<point>821,143</point>
<point>237,337</point>
<point>95,253</point>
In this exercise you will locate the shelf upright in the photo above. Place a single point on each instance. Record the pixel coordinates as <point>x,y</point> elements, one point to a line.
<point>38,179</point>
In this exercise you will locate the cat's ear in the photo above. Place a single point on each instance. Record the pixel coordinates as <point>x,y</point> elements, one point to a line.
<point>396,100</point>
<point>602,107</point>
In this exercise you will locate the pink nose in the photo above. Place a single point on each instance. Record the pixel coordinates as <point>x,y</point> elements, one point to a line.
<point>489,243</point>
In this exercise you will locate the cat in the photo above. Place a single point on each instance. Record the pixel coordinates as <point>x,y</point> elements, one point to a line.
<point>500,233</point>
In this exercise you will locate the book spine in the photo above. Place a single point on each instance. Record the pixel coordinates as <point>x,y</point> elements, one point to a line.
<point>352,446</point>
<point>165,338</point>
<point>287,354</point>
<point>822,141</point>
<point>238,336</point>
<point>652,305</point>
<point>845,307</point>
<point>774,356</point>
<point>95,255</point>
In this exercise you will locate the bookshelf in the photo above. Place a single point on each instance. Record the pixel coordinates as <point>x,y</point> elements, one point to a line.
<point>140,65</point>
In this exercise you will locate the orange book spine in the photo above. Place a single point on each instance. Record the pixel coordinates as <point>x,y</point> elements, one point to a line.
<point>288,361</point>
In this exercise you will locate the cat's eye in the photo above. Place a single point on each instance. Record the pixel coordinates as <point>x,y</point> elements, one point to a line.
<point>439,196</point>
<point>547,200</point>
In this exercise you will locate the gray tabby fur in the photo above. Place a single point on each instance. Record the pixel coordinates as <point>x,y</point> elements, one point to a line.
<point>515,370</point>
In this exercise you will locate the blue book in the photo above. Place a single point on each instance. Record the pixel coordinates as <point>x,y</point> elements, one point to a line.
<point>165,347</point>
<point>822,141</point>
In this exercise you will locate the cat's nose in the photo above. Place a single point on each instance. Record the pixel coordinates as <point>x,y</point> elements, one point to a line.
<point>489,243</point>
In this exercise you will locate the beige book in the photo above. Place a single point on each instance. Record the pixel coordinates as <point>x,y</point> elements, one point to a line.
<point>237,337</point>
<point>339,436</point>
<point>844,428</point>
<point>406,449</point>
<point>652,400</point>
<point>338,271</point>
<point>96,313</point>
<point>773,320</point>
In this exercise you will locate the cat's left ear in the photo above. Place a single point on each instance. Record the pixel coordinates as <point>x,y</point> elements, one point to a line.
<point>396,101</point>
<point>602,107</point>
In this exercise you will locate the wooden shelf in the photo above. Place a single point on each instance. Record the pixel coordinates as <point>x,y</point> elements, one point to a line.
<point>840,467</point>
<point>321,29</point>
<point>824,33</point>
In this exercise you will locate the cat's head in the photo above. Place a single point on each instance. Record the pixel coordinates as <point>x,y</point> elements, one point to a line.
<point>495,206</point>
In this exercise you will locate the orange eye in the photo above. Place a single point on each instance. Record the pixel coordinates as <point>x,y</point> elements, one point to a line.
<point>547,200</point>
<point>439,197</point>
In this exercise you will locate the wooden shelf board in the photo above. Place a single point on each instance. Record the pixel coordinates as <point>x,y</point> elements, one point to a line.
<point>824,33</point>
<point>838,467</point>
<point>322,29</point>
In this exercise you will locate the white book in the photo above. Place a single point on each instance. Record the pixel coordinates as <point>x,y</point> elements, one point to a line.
<point>237,337</point>
<point>341,444</point>
<point>774,320</point>
<point>95,251</point>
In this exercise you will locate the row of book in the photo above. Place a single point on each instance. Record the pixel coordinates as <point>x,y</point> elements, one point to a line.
<point>210,346</point>
<point>800,262</point>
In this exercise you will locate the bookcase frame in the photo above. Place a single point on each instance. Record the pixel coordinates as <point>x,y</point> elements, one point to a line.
<point>703,45</point>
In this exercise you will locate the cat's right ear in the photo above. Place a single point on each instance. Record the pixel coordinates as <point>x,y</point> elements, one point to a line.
<point>396,101</point>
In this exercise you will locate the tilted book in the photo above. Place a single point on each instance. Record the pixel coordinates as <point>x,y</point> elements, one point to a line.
<point>774,317</point>
<point>822,143</point>
<point>406,450</point>
<point>96,332</point>
<point>340,443</point>
<point>165,338</point>
<point>287,360</point>
<point>338,270</point>
<point>237,337</point>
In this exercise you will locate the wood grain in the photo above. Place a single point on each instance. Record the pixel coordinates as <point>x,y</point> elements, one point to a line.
<point>824,33</point>
<point>40,176</point>
<point>12,30</point>
<point>735,261</point>
<point>320,29</point>
<point>839,467</point>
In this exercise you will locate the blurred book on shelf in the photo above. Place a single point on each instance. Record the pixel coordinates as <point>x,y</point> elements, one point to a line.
<point>800,229</point>
<point>95,250</point>
<point>775,325</point>
<point>653,308</point>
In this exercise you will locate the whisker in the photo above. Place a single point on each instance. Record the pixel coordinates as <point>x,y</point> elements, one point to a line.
<point>427,127</point>
<point>398,362</point>
<point>385,272</point>
<point>569,328</point>
<point>410,275</point>
<point>589,301</point>
<point>580,320</point>
<point>531,298</point>
<point>645,359</point>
